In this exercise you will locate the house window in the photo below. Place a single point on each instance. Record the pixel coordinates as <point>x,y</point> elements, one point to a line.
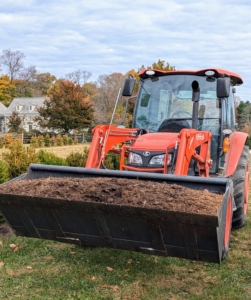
<point>31,107</point>
<point>19,107</point>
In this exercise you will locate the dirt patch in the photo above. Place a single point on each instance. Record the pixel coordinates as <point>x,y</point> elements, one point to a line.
<point>120,191</point>
<point>5,230</point>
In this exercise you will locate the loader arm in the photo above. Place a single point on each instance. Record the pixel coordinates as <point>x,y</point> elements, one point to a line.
<point>190,139</point>
<point>104,139</point>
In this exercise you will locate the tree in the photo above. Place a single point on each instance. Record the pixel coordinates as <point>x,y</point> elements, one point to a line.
<point>79,77</point>
<point>7,90</point>
<point>33,84</point>
<point>44,82</point>
<point>89,89</point>
<point>13,60</point>
<point>160,65</point>
<point>244,116</point>
<point>23,88</point>
<point>25,84</point>
<point>28,74</point>
<point>107,91</point>
<point>14,122</point>
<point>66,109</point>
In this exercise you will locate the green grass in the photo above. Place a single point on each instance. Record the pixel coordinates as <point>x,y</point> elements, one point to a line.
<point>37,269</point>
<point>50,270</point>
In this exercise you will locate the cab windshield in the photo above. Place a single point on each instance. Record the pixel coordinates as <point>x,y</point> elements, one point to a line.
<point>170,97</point>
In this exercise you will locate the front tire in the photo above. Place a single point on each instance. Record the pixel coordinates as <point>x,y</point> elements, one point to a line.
<point>241,189</point>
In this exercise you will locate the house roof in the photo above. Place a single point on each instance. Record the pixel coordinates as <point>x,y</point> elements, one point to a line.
<point>3,108</point>
<point>25,103</point>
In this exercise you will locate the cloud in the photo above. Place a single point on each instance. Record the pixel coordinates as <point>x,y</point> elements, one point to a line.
<point>115,36</point>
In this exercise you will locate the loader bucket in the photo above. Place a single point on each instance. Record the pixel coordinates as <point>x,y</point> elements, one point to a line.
<point>150,231</point>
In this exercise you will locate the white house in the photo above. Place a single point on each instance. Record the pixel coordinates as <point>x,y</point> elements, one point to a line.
<point>3,109</point>
<point>27,110</point>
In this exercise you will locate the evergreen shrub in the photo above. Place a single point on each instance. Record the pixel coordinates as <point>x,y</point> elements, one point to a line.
<point>78,159</point>
<point>19,158</point>
<point>47,140</point>
<point>40,141</point>
<point>48,158</point>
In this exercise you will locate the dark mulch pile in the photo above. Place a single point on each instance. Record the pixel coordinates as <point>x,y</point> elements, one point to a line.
<point>120,191</point>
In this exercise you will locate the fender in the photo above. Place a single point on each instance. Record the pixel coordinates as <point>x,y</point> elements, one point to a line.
<point>237,143</point>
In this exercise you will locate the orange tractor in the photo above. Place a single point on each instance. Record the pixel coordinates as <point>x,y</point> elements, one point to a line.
<point>184,132</point>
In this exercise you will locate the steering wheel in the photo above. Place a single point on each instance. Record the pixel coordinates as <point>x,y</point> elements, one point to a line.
<point>179,112</point>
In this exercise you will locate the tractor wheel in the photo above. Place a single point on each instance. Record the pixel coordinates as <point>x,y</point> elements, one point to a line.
<point>241,189</point>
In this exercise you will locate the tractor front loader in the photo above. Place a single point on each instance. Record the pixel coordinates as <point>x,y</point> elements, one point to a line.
<point>183,132</point>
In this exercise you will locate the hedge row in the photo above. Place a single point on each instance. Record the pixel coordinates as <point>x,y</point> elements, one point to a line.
<point>47,141</point>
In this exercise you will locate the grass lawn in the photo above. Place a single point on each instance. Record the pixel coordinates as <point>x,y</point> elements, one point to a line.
<point>39,269</point>
<point>36,269</point>
<point>64,151</point>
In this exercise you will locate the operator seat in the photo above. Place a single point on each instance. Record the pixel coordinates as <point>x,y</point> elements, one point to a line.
<point>173,125</point>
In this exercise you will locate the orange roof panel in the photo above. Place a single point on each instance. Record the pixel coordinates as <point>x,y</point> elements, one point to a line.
<point>236,78</point>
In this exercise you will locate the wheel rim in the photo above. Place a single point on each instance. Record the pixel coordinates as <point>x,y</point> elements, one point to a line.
<point>246,191</point>
<point>228,222</point>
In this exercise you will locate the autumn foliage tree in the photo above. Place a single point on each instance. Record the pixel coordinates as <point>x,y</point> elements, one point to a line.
<point>7,90</point>
<point>162,65</point>
<point>14,122</point>
<point>22,81</point>
<point>244,116</point>
<point>66,109</point>
<point>43,82</point>
<point>159,65</point>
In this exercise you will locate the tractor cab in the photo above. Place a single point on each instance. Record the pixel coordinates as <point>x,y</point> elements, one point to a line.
<point>169,101</point>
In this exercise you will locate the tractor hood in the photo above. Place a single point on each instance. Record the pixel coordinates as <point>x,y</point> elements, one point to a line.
<point>157,141</point>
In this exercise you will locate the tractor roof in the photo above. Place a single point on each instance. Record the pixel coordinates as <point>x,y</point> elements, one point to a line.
<point>235,78</point>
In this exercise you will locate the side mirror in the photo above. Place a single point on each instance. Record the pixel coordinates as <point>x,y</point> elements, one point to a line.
<point>128,87</point>
<point>223,87</point>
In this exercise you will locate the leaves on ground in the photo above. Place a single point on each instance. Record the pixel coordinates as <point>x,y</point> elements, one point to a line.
<point>14,247</point>
<point>114,288</point>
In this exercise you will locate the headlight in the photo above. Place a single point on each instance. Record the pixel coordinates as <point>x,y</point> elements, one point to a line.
<point>134,159</point>
<point>159,160</point>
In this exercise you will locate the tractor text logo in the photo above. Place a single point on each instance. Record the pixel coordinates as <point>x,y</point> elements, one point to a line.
<point>200,137</point>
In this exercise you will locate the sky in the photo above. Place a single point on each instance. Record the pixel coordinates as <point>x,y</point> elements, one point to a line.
<point>109,36</point>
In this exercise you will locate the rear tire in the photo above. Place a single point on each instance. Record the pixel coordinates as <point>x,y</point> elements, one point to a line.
<point>241,189</point>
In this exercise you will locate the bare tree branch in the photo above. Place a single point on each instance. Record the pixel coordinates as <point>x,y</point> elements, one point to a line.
<point>79,77</point>
<point>13,60</point>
